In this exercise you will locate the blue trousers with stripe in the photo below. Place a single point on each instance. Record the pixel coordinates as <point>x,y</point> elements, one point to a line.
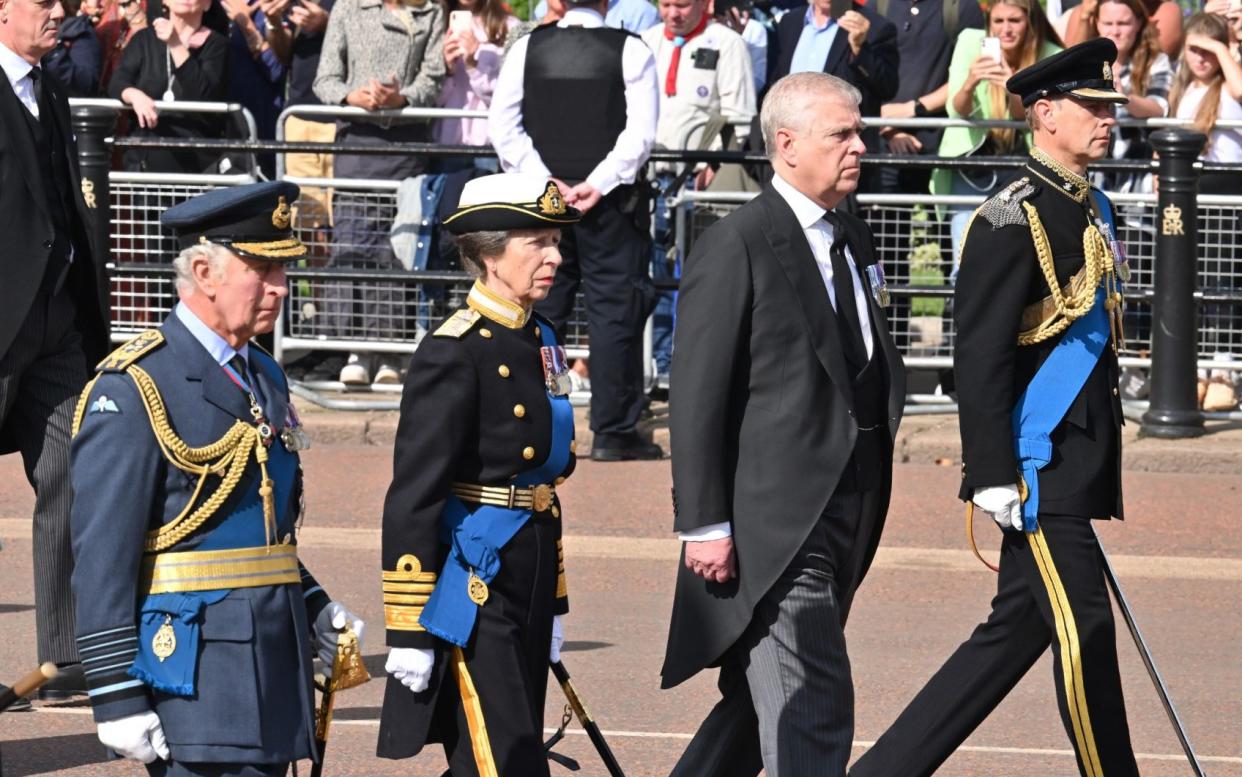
<point>1050,594</point>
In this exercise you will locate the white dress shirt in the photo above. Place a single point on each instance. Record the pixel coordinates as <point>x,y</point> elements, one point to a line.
<point>517,151</point>
<point>17,70</point>
<point>819,233</point>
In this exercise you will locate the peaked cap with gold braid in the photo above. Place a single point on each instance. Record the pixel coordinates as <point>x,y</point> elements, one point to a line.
<point>254,220</point>
<point>510,201</point>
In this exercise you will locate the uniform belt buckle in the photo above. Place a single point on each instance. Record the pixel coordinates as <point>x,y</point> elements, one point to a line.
<point>541,497</point>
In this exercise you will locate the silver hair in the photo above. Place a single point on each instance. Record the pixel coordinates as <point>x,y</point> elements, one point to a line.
<point>789,102</point>
<point>474,246</point>
<point>214,253</point>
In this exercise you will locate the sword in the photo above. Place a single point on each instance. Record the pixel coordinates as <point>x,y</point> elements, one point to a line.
<point>1145,654</point>
<point>347,671</point>
<point>584,717</point>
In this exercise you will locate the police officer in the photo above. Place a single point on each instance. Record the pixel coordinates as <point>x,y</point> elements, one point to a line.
<point>473,580</point>
<point>608,77</point>
<point>1038,322</point>
<point>194,613</point>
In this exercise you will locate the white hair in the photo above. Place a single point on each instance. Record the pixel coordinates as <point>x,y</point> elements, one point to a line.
<point>789,103</point>
<point>216,255</point>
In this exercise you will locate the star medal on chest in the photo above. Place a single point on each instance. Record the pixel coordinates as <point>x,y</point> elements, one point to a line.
<point>555,370</point>
<point>879,287</point>
<point>293,435</point>
<point>164,643</point>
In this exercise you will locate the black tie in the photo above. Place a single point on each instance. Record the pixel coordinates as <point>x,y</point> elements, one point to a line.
<point>243,369</point>
<point>843,287</point>
<point>36,81</point>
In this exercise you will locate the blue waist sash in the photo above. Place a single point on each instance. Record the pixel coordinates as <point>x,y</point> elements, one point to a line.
<point>1050,393</point>
<point>182,612</point>
<point>474,539</point>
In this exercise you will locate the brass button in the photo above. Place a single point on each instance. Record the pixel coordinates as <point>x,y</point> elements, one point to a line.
<point>503,370</point>
<point>528,453</point>
<point>486,333</point>
<point>519,411</point>
<point>1115,393</point>
<point>556,511</point>
<point>573,446</point>
<point>538,332</point>
<point>558,481</point>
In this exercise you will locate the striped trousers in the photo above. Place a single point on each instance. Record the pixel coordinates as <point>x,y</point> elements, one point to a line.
<point>41,376</point>
<point>1050,593</point>
<point>787,695</point>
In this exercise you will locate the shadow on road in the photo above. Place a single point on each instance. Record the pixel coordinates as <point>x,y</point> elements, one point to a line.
<point>5,609</point>
<point>583,646</point>
<point>48,755</point>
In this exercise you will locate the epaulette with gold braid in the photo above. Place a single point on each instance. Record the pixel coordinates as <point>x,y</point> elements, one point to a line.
<point>132,351</point>
<point>458,324</point>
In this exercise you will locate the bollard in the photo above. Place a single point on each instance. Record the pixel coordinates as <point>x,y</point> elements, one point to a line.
<point>1174,409</point>
<point>91,127</point>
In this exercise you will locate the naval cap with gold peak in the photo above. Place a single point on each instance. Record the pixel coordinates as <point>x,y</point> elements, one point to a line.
<point>1084,71</point>
<point>253,220</point>
<point>510,201</point>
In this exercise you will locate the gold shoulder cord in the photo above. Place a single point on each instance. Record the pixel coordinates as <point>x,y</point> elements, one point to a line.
<point>1078,303</point>
<point>226,457</point>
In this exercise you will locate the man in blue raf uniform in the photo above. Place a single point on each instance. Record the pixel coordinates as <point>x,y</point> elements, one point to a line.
<point>1039,323</point>
<point>195,617</point>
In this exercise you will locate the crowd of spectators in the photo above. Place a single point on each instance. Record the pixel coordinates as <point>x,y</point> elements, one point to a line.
<point>908,58</point>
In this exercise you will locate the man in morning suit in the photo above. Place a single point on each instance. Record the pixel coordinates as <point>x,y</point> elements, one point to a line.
<point>786,395</point>
<point>197,624</point>
<point>1041,432</point>
<point>53,309</point>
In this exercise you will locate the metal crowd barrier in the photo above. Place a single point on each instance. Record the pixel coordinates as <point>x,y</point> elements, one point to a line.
<point>381,307</point>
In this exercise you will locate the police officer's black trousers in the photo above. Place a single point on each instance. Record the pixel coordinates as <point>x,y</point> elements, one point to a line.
<point>607,254</point>
<point>1051,591</point>
<point>492,698</point>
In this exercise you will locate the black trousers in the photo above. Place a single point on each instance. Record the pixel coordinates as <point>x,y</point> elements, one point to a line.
<point>1050,592</point>
<point>787,694</point>
<point>41,376</point>
<point>160,768</point>
<point>607,255</point>
<point>490,707</point>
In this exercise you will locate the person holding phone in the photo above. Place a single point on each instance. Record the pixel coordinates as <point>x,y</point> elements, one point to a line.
<point>1018,35</point>
<point>377,56</point>
<point>846,39</point>
<point>473,49</point>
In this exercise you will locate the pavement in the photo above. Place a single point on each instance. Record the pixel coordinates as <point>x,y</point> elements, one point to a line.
<point>1178,555</point>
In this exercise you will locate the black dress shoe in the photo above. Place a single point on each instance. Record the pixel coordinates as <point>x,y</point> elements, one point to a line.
<point>70,683</point>
<point>21,705</point>
<point>624,447</point>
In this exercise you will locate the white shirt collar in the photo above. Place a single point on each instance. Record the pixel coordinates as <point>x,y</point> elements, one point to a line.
<point>15,68</point>
<point>581,17</point>
<point>805,210</point>
<point>216,345</point>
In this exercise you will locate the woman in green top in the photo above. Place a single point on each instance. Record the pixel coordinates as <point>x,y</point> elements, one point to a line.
<point>977,91</point>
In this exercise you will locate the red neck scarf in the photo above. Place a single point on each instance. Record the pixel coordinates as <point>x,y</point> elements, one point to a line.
<point>670,80</point>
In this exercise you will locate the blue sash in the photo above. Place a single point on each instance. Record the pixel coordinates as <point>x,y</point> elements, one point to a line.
<point>1050,393</point>
<point>183,611</point>
<point>475,538</point>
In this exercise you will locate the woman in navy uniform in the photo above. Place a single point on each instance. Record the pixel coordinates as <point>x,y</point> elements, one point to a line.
<point>473,575</point>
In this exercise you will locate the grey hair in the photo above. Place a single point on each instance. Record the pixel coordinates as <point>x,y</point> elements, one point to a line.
<point>214,253</point>
<point>474,246</point>
<point>789,102</point>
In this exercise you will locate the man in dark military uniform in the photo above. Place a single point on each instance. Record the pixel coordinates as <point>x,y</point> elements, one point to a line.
<point>1038,321</point>
<point>194,614</point>
<point>473,575</point>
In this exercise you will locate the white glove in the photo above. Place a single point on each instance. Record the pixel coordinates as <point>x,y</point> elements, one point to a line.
<point>1003,502</point>
<point>328,626</point>
<point>140,737</point>
<point>411,667</point>
<point>558,639</point>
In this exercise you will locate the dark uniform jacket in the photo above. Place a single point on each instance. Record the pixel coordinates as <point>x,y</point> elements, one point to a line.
<point>30,229</point>
<point>1000,275</point>
<point>474,410</point>
<point>254,700</point>
<point>762,417</point>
